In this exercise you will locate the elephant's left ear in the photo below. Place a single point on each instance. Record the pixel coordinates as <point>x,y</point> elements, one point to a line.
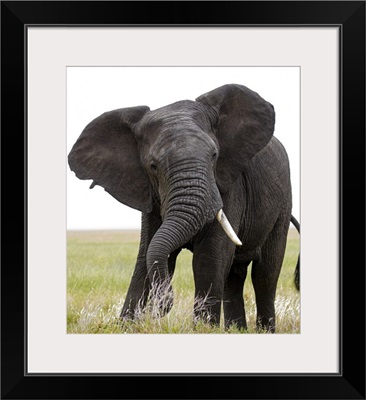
<point>244,124</point>
<point>107,153</point>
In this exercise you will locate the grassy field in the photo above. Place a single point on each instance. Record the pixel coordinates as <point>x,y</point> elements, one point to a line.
<point>99,270</point>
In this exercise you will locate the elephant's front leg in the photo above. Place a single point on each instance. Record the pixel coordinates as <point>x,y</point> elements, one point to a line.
<point>207,300</point>
<point>138,291</point>
<point>209,269</point>
<point>234,309</point>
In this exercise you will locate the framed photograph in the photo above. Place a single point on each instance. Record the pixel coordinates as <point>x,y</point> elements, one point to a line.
<point>66,65</point>
<point>95,218</point>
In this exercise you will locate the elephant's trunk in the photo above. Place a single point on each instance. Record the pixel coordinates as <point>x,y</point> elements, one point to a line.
<point>175,231</point>
<point>172,234</point>
<point>188,205</point>
<point>192,201</point>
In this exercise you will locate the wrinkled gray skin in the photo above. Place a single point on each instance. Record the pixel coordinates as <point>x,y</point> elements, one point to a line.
<point>180,165</point>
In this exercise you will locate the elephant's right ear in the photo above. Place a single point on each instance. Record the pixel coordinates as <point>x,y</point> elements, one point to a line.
<point>106,152</point>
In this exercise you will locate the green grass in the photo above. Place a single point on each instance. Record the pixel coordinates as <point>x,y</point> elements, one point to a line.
<point>99,269</point>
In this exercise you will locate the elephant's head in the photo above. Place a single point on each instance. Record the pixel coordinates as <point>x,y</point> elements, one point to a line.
<point>179,159</point>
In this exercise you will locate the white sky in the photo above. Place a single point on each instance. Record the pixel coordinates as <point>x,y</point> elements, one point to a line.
<point>94,90</point>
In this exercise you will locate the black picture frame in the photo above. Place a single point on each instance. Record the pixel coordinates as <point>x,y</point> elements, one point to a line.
<point>349,383</point>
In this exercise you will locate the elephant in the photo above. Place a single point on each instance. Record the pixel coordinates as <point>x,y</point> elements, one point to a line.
<point>207,175</point>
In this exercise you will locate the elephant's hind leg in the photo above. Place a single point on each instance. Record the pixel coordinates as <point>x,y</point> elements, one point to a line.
<point>265,273</point>
<point>234,309</point>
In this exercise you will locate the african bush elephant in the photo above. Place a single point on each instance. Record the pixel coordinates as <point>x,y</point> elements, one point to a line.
<point>182,165</point>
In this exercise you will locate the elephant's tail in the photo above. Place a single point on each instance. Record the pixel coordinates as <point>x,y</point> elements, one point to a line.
<point>296,224</point>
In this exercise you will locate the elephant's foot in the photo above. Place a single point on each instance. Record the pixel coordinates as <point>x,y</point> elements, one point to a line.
<point>265,324</point>
<point>234,313</point>
<point>207,311</point>
<point>238,323</point>
<point>126,316</point>
<point>134,306</point>
<point>131,310</point>
<point>158,304</point>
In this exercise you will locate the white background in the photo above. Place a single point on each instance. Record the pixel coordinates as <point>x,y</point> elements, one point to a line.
<point>94,90</point>
<point>50,52</point>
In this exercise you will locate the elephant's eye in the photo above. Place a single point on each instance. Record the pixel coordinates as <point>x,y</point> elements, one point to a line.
<point>153,166</point>
<point>214,155</point>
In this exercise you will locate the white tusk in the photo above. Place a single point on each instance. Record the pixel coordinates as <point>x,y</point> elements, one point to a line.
<point>221,217</point>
